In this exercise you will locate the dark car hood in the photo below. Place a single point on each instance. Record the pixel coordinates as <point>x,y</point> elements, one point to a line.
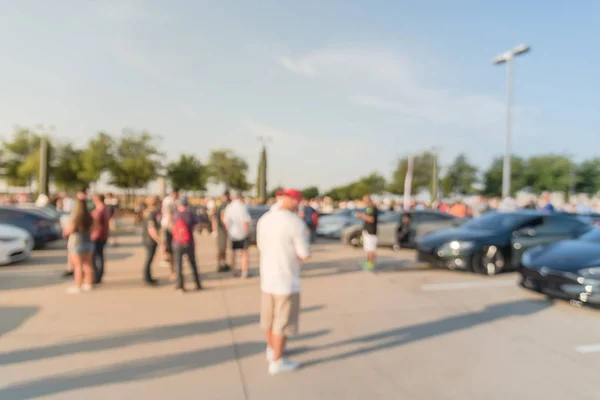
<point>568,255</point>
<point>460,234</point>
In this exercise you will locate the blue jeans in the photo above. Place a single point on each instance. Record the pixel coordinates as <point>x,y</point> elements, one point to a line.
<point>178,253</point>
<point>150,252</point>
<point>98,259</point>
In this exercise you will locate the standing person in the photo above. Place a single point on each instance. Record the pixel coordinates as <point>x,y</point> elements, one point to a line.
<point>99,236</point>
<point>112,202</point>
<point>80,195</point>
<point>184,223</point>
<point>167,209</point>
<point>309,216</point>
<point>150,237</point>
<point>236,219</point>
<point>369,216</point>
<point>80,247</point>
<point>281,240</point>
<point>220,231</point>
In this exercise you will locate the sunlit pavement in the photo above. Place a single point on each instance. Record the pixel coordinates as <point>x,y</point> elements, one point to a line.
<point>406,332</point>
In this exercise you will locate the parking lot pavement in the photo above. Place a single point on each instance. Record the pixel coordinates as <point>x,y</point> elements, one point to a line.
<point>404,332</point>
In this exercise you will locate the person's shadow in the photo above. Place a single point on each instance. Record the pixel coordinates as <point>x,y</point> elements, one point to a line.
<point>140,336</point>
<point>145,368</point>
<point>13,317</point>
<point>405,335</point>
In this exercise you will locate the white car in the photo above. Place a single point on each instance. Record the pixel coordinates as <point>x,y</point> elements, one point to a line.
<point>15,244</point>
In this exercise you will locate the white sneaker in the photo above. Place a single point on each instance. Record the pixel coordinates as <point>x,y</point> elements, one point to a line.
<point>270,353</point>
<point>282,365</point>
<point>86,287</point>
<point>73,290</point>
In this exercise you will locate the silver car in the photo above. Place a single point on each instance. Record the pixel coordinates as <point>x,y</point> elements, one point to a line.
<point>332,225</point>
<point>389,224</point>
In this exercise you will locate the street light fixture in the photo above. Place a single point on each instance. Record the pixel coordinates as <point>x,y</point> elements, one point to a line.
<point>508,58</point>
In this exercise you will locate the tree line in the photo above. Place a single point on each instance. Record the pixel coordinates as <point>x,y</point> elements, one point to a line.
<point>132,159</point>
<point>537,174</point>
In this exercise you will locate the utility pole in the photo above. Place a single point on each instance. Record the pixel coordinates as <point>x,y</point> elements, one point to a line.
<point>435,175</point>
<point>43,177</point>
<point>261,180</point>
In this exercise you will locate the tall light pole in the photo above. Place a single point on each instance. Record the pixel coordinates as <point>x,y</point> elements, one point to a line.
<point>435,175</point>
<point>508,58</point>
<point>261,180</point>
<point>43,177</point>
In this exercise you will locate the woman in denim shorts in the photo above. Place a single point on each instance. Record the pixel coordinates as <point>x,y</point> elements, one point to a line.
<point>80,247</point>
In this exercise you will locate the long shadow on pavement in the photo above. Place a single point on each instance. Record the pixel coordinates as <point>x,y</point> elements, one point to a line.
<point>13,317</point>
<point>414,333</point>
<point>131,338</point>
<point>147,368</point>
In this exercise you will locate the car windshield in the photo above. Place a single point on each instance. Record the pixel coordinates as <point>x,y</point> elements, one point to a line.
<point>592,236</point>
<point>497,221</point>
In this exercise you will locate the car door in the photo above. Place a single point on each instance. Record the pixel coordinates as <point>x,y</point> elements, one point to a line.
<point>552,228</point>
<point>388,224</point>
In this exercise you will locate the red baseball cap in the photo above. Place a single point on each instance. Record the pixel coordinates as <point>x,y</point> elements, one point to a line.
<point>293,193</point>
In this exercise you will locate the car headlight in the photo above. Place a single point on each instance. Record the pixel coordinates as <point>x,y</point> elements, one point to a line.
<point>592,272</point>
<point>456,246</point>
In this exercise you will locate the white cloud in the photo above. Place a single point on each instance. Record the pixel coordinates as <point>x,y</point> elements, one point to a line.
<point>375,64</point>
<point>381,70</point>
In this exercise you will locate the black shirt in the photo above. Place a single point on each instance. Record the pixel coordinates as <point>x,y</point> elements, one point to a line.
<point>150,220</point>
<point>371,227</point>
<point>219,215</point>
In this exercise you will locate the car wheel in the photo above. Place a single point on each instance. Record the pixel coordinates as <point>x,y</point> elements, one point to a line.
<point>356,239</point>
<point>490,262</point>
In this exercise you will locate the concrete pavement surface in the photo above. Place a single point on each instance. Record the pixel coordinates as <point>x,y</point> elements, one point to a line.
<point>406,332</point>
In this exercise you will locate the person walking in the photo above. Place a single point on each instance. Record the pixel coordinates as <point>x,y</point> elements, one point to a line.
<point>80,249</point>
<point>99,235</point>
<point>369,234</point>
<point>150,237</point>
<point>184,223</point>
<point>220,232</point>
<point>283,245</point>
<point>236,219</point>
<point>112,202</point>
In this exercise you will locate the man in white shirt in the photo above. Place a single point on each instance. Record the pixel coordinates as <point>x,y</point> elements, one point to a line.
<point>283,244</point>
<point>169,204</point>
<point>236,219</point>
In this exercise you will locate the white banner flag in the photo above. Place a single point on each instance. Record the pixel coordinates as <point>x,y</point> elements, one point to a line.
<point>408,182</point>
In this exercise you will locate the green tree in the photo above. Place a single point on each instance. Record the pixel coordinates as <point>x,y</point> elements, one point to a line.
<point>310,192</point>
<point>369,184</point>
<point>68,165</point>
<point>492,177</point>
<point>422,174</point>
<point>548,172</point>
<point>22,158</point>
<point>227,168</point>
<point>187,173</point>
<point>137,161</point>
<point>261,181</point>
<point>460,177</point>
<point>588,177</point>
<point>97,157</point>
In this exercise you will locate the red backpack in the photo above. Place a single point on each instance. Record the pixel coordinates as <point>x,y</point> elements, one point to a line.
<point>181,232</point>
<point>315,219</point>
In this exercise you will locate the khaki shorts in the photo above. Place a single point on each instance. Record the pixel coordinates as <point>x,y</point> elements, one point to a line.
<point>280,313</point>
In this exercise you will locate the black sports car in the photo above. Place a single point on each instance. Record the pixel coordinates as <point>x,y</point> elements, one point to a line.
<point>494,242</point>
<point>567,270</point>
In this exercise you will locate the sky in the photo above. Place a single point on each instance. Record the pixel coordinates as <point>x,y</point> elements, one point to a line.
<point>343,88</point>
